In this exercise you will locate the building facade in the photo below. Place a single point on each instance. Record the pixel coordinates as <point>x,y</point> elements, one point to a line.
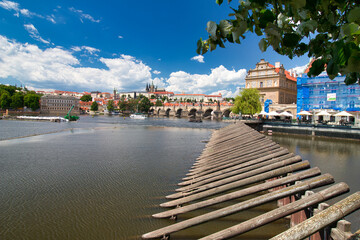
<point>59,105</point>
<point>323,93</point>
<point>273,82</point>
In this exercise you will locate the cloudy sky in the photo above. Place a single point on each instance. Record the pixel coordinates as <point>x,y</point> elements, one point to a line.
<point>88,45</point>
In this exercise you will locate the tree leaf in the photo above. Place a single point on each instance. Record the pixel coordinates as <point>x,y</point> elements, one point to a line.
<point>211,29</point>
<point>225,28</point>
<point>354,15</point>
<point>317,67</point>
<point>219,2</point>
<point>263,44</point>
<point>199,46</point>
<point>266,17</point>
<point>351,78</point>
<point>290,40</point>
<point>332,69</point>
<point>298,3</point>
<point>350,29</point>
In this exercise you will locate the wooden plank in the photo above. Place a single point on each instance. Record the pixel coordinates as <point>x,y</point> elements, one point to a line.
<point>280,212</point>
<point>281,193</point>
<point>240,183</point>
<point>236,162</point>
<point>238,174</point>
<point>241,193</point>
<point>235,155</point>
<point>324,218</point>
<point>242,166</point>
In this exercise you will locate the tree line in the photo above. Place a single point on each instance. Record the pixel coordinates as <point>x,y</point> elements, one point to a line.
<point>141,104</point>
<point>13,97</point>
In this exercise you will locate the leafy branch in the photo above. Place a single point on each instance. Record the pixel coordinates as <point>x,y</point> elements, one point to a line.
<point>326,30</point>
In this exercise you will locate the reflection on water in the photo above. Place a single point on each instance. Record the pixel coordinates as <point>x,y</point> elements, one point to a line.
<point>102,178</point>
<point>339,157</point>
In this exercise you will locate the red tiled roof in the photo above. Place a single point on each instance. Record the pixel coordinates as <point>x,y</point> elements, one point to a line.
<point>184,94</point>
<point>287,74</point>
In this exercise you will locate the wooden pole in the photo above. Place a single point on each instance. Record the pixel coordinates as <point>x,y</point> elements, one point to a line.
<point>242,166</point>
<point>303,186</point>
<point>280,212</point>
<point>239,174</point>
<point>241,193</point>
<point>330,215</point>
<point>240,183</point>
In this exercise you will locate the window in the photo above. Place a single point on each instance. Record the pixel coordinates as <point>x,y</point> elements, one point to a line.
<point>261,84</point>
<point>269,83</point>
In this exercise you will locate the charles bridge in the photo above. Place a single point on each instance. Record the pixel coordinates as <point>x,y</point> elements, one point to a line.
<point>193,110</point>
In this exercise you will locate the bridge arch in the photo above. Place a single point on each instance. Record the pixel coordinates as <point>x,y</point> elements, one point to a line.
<point>207,113</point>
<point>226,112</point>
<point>167,112</point>
<point>178,112</point>
<point>192,112</point>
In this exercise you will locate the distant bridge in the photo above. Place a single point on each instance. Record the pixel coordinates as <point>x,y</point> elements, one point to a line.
<point>199,111</point>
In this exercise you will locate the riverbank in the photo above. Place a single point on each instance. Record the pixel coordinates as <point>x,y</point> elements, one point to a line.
<point>314,131</point>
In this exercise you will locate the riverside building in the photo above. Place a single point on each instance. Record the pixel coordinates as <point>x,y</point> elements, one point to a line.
<point>58,105</point>
<point>323,93</point>
<point>273,82</point>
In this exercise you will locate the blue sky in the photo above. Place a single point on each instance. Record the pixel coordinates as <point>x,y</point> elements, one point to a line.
<point>85,45</point>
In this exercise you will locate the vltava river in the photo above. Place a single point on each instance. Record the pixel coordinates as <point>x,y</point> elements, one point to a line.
<point>103,177</point>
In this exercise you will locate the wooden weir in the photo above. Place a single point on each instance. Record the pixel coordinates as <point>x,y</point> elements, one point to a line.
<point>238,161</point>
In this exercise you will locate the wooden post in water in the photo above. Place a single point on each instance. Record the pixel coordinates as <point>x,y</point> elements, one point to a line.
<point>283,211</point>
<point>332,214</point>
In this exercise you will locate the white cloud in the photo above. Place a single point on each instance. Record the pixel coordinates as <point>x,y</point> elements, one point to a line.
<point>51,18</point>
<point>34,33</point>
<point>156,72</point>
<point>56,68</point>
<point>90,50</point>
<point>219,78</point>
<point>9,5</point>
<point>83,15</point>
<point>121,37</point>
<point>159,82</point>
<point>226,93</point>
<point>199,58</point>
<point>14,6</point>
<point>300,69</point>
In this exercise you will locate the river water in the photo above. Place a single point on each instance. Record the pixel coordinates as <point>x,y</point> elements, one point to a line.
<point>103,177</point>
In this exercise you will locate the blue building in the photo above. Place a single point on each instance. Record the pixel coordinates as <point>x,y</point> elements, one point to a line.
<point>323,93</point>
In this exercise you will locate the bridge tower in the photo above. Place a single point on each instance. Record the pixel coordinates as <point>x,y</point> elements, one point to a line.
<point>217,114</point>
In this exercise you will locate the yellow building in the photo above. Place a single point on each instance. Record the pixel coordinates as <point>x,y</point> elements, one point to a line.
<point>273,82</point>
<point>58,105</point>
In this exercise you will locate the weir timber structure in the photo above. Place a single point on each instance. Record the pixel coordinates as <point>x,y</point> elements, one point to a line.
<point>240,162</point>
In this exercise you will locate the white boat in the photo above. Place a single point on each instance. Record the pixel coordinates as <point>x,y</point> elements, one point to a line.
<point>138,116</point>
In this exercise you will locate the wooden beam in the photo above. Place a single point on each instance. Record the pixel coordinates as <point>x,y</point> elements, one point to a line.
<point>280,212</point>
<point>284,192</point>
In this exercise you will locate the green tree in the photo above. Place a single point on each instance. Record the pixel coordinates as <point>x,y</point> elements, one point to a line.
<point>32,100</point>
<point>122,104</point>
<point>86,98</point>
<point>5,99</point>
<point>144,105</point>
<point>158,103</point>
<point>110,106</point>
<point>132,105</point>
<point>17,100</point>
<point>248,102</point>
<point>327,30</point>
<point>94,106</point>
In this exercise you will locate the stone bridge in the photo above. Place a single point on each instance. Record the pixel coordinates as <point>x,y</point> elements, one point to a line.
<point>215,111</point>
